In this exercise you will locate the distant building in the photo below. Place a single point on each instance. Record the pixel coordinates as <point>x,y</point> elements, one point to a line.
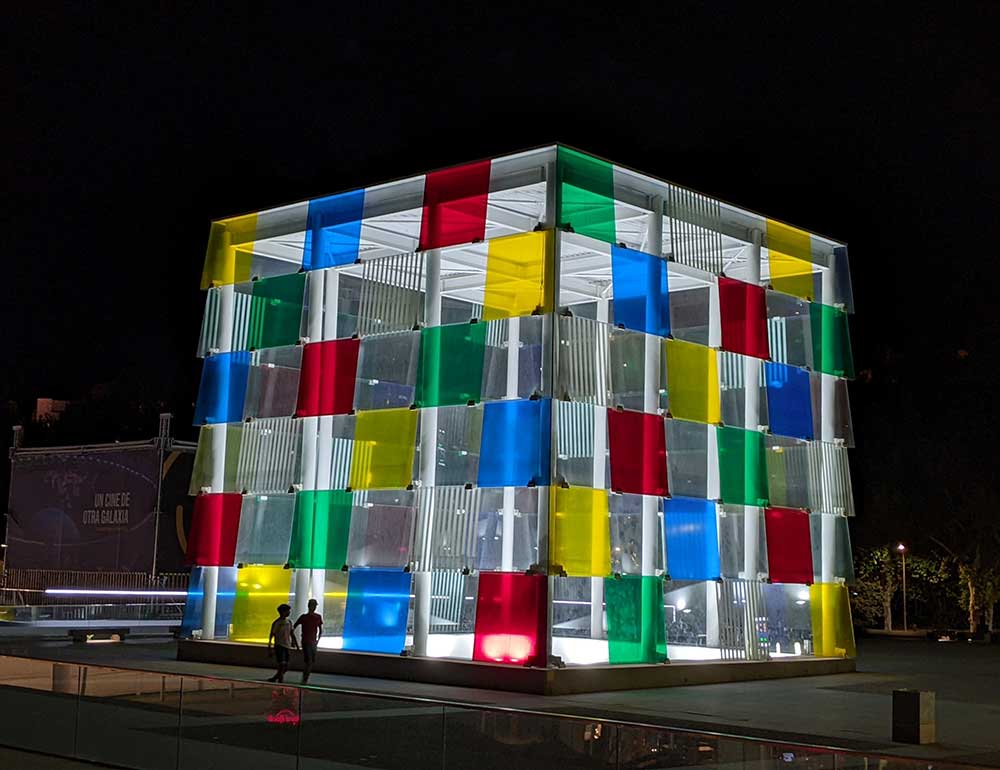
<point>48,410</point>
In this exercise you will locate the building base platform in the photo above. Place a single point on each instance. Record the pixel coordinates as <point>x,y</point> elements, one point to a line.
<point>537,681</point>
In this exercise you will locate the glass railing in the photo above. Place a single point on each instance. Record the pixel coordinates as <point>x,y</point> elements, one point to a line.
<point>153,721</point>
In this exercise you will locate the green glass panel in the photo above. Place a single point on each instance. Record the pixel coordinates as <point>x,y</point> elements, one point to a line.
<point>586,195</point>
<point>320,528</point>
<point>450,371</point>
<point>831,341</point>
<point>742,467</point>
<point>636,629</point>
<point>276,311</point>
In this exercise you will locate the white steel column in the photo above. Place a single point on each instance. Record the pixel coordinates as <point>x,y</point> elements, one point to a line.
<point>513,367</point>
<point>428,471</point>
<point>210,575</point>
<point>600,451</point>
<point>550,358</point>
<point>828,430</point>
<point>651,398</point>
<point>751,421</point>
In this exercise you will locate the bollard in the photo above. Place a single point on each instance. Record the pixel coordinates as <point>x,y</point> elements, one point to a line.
<point>913,716</point>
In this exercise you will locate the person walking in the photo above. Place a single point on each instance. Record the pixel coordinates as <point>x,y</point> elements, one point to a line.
<point>312,630</point>
<point>283,636</point>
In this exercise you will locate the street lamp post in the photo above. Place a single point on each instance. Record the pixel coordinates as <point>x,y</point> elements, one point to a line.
<point>902,552</point>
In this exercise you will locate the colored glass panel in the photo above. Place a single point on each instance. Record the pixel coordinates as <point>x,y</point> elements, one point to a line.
<point>225,593</point>
<point>320,529</point>
<point>831,340</point>
<point>511,611</point>
<point>451,364</point>
<point>519,275</point>
<point>215,525</point>
<point>789,253</point>
<point>326,385</point>
<point>638,453</point>
<point>333,230</point>
<point>691,539</point>
<point>742,467</point>
<point>259,591</point>
<point>586,195</point>
<point>210,446</point>
<point>789,549</point>
<point>692,381</point>
<point>383,449</point>
<point>743,313</point>
<point>223,388</point>
<point>641,296</point>
<point>230,251</point>
<point>580,533</point>
<point>276,311</point>
<point>378,601</point>
<point>832,628</point>
<point>789,400</point>
<point>515,448</point>
<point>455,205</point>
<point>636,627</point>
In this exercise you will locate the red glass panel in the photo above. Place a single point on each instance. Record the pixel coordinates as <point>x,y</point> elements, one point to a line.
<point>510,618</point>
<point>638,453</point>
<point>326,385</point>
<point>789,550</point>
<point>455,205</point>
<point>743,312</point>
<point>214,526</point>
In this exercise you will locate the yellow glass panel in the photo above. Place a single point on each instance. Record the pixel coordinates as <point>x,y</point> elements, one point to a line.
<point>790,258</point>
<point>383,449</point>
<point>259,591</point>
<point>579,531</point>
<point>692,381</point>
<point>230,251</point>
<point>833,631</point>
<point>518,275</point>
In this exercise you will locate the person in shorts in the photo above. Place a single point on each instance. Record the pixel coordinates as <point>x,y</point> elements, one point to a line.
<point>283,636</point>
<point>312,630</point>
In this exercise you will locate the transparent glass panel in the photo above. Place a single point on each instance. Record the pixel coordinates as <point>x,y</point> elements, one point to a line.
<point>347,287</point>
<point>788,474</point>
<point>128,718</point>
<point>387,371</point>
<point>343,730</point>
<point>789,619</point>
<point>789,330</point>
<point>831,549</point>
<point>686,613</point>
<point>381,528</point>
<point>265,529</point>
<point>453,513</point>
<point>629,354</point>
<point>581,437</point>
<point>742,542</point>
<point>391,298</point>
<point>453,614</point>
<point>691,312</point>
<point>270,455</point>
<point>579,531</point>
<point>273,385</point>
<point>626,532</point>
<point>734,373</point>
<point>259,591</point>
<point>35,696</point>
<point>227,724</point>
<point>523,521</point>
<point>834,411</point>
<point>692,462</point>
<point>584,361</point>
<point>459,435</point>
<point>526,331</point>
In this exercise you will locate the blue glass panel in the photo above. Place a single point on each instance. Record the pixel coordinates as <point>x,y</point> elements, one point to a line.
<point>691,539</point>
<point>789,405</point>
<point>333,230</point>
<point>641,297</point>
<point>378,601</point>
<point>223,388</point>
<point>515,444</point>
<point>223,603</point>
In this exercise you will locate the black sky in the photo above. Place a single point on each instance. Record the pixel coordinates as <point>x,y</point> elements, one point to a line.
<point>126,130</point>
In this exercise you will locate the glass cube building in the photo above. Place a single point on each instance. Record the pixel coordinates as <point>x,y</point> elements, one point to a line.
<point>536,410</point>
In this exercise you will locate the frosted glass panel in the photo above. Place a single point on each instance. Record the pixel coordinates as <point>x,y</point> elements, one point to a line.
<point>690,313</point>
<point>459,432</point>
<point>742,542</point>
<point>735,371</point>
<point>381,529</point>
<point>272,390</point>
<point>789,329</point>
<point>265,529</point>
<point>270,455</point>
<point>523,529</point>
<point>829,534</point>
<point>584,356</point>
<point>387,371</point>
<point>577,427</point>
<point>626,533</point>
<point>527,333</point>
<point>836,411</point>
<point>692,461</point>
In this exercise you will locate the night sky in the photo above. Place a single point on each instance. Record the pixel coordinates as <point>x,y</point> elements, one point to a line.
<point>125,132</point>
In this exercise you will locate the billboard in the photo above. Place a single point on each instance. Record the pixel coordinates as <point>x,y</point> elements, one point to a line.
<point>84,510</point>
